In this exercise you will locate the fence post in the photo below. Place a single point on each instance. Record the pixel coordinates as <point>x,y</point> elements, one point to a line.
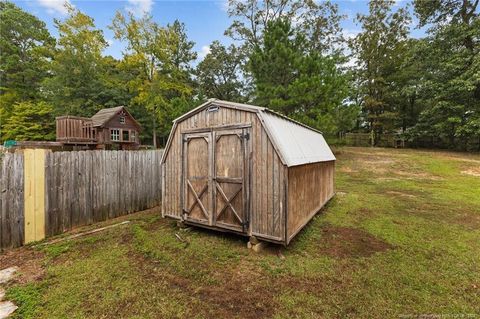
<point>34,194</point>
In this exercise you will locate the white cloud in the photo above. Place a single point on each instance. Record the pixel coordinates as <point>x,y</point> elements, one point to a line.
<point>139,7</point>
<point>204,51</point>
<point>55,6</point>
<point>223,5</point>
<point>350,33</point>
<point>109,42</point>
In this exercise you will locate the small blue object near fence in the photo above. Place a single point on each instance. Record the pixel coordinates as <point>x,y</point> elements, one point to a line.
<point>9,143</point>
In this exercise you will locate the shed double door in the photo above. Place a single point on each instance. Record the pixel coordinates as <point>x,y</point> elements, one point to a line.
<point>215,178</point>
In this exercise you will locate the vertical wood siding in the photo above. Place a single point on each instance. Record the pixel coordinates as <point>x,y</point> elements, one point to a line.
<point>310,187</point>
<point>267,171</point>
<point>11,200</point>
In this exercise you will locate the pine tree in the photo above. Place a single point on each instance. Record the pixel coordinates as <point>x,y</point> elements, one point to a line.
<point>291,80</point>
<point>25,49</point>
<point>379,50</point>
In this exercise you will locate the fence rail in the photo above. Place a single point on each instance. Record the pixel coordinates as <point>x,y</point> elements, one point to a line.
<point>394,140</point>
<point>79,188</point>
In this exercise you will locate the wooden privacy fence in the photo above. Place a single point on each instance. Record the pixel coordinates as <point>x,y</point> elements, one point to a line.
<point>382,140</point>
<point>11,200</point>
<point>46,193</point>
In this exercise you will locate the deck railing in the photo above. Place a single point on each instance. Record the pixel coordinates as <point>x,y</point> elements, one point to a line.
<point>75,129</point>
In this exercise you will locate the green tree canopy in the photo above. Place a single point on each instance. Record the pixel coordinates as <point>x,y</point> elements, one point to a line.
<point>76,83</point>
<point>319,21</point>
<point>32,121</point>
<point>25,47</point>
<point>288,55</point>
<point>451,82</point>
<point>304,85</point>
<point>25,51</point>
<point>219,74</point>
<point>379,50</point>
<point>160,57</point>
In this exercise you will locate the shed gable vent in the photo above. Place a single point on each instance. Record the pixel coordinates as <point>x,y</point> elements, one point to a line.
<point>213,108</point>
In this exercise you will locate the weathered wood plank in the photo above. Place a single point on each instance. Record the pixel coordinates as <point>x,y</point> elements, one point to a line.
<point>310,186</point>
<point>11,200</point>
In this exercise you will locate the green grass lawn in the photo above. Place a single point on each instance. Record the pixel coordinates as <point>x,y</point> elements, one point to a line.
<point>401,238</point>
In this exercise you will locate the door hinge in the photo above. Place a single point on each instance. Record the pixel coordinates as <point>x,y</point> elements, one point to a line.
<point>245,225</point>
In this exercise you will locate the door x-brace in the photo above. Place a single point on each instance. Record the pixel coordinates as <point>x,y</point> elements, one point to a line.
<point>228,203</point>
<point>197,199</point>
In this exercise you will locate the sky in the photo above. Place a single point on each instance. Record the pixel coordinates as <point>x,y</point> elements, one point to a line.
<point>205,20</point>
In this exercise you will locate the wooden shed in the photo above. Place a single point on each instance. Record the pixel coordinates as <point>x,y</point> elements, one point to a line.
<point>245,169</point>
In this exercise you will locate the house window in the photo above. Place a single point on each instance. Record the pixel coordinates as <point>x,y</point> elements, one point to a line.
<point>125,136</point>
<point>115,135</point>
<point>132,136</point>
<point>122,119</point>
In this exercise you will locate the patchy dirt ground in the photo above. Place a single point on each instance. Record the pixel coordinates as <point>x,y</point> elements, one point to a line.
<point>349,242</point>
<point>474,171</point>
<point>239,292</point>
<point>401,194</point>
<point>29,261</point>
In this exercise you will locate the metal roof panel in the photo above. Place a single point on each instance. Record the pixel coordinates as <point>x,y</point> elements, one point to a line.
<point>298,144</point>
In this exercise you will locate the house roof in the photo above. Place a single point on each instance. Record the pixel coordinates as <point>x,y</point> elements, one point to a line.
<point>105,115</point>
<point>296,142</point>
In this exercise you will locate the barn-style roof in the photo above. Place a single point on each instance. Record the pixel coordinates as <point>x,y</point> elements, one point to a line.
<point>104,115</point>
<point>296,143</point>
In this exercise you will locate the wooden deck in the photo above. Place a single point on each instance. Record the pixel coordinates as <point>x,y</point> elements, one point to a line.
<point>75,129</point>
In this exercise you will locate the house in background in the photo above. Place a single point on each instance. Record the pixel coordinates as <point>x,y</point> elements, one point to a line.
<point>112,128</point>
